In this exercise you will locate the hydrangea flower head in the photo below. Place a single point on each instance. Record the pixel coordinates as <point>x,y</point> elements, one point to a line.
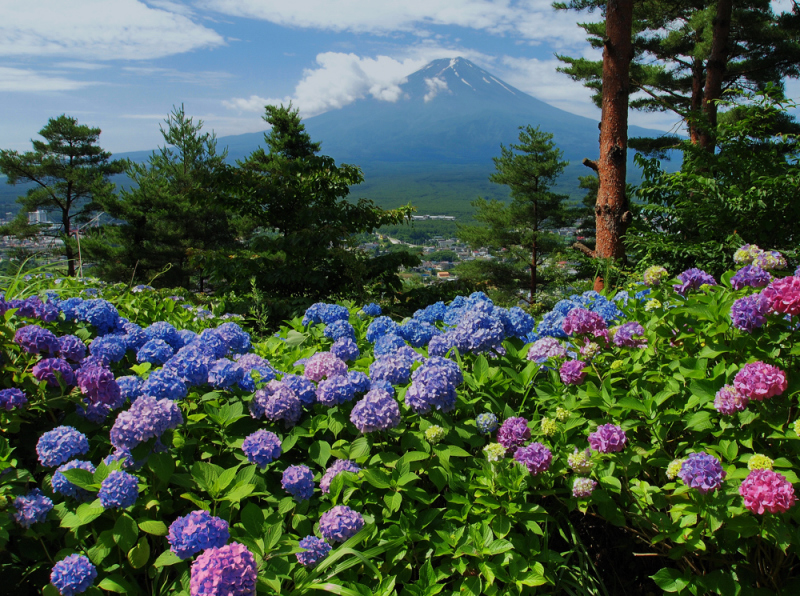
<point>759,462</point>
<point>652,304</point>
<point>371,310</point>
<point>653,276</point>
<point>381,326</point>
<point>674,468</point>
<point>147,418</point>
<point>547,347</point>
<point>12,398</point>
<point>63,486</point>
<point>435,434</point>
<point>783,295</point>
<point>486,423</point>
<point>418,333</point>
<point>324,364</point>
<point>340,465</point>
<point>314,550</point>
<point>702,471</point>
<point>759,381</point>
<point>164,383</point>
<point>228,570</point>
<point>562,415</point>
<point>340,329</point>
<point>440,345</point>
<point>728,401</point>
<point>431,388</point>
<point>154,351</point>
<point>111,348</point>
<point>751,276</point>
<point>35,339</point>
<point>769,260</point>
<point>119,490</point>
<point>235,338</point>
<point>582,488</point>
<point>262,447</point>
<point>692,279</point>
<point>536,457</point>
<point>572,373</point>
<point>580,321</point>
<point>345,349</point>
<point>195,532</point>
<point>276,401</point>
<point>165,332</point>
<point>513,432</point>
<point>750,312</point>
<point>608,438</point>
<point>340,523</point>
<point>766,490</point>
<point>580,461</point>
<point>630,335</point>
<point>224,373</point>
<point>50,370</point>
<point>71,348</point>
<point>31,508</point>
<point>73,575</point>
<point>304,389</point>
<point>376,411</point>
<point>746,254</point>
<point>494,452</point>
<point>298,481</point>
<point>335,390</point>
<point>60,445</point>
<point>549,427</point>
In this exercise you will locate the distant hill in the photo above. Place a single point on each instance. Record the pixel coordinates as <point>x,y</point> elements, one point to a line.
<point>433,147</point>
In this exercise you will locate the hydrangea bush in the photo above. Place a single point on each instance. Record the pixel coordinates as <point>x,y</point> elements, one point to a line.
<point>151,446</point>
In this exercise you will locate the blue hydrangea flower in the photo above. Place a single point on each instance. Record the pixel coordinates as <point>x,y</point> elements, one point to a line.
<point>431,389</point>
<point>195,532</point>
<point>417,333</point>
<point>340,523</point>
<point>381,384</point>
<point>71,348</point>
<point>315,549</point>
<point>431,313</point>
<point>440,345</point>
<point>262,447</point>
<point>100,313</point>
<point>164,383</point>
<point>119,490</point>
<point>519,323</point>
<point>345,349</point>
<point>130,386</point>
<point>134,337</point>
<point>454,374</point>
<point>257,374</point>
<point>237,341</point>
<point>359,381</point>
<point>376,411</point>
<point>325,313</point>
<point>335,390</point>
<point>155,351</point>
<point>73,575</point>
<point>339,330</point>
<point>702,471</point>
<point>276,401</point>
<point>34,340</point>
<point>486,423</point>
<point>165,332</point>
<point>63,486</point>
<point>12,398</point>
<point>304,389</point>
<point>371,310</point>
<point>190,364</point>
<point>110,348</point>
<point>31,508</point>
<point>387,344</point>
<point>479,332</point>
<point>396,370</point>
<point>340,465</point>
<point>186,337</point>
<point>298,481</point>
<point>224,373</point>
<point>147,418</point>
<point>60,445</point>
<point>380,327</point>
<point>70,308</point>
<point>214,342</point>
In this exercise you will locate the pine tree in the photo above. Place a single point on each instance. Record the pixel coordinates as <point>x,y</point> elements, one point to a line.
<point>70,173</point>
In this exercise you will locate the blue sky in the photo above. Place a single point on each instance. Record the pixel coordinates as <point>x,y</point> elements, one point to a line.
<point>122,64</point>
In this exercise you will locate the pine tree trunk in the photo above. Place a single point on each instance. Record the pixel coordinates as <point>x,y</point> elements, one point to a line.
<point>611,210</point>
<point>715,71</point>
<point>697,100</point>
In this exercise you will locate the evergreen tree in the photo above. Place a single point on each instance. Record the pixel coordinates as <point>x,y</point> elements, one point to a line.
<point>70,173</point>
<point>172,215</point>
<point>519,234</point>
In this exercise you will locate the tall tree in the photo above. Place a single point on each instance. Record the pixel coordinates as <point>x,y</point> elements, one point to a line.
<point>520,233</point>
<point>172,214</point>
<point>70,173</point>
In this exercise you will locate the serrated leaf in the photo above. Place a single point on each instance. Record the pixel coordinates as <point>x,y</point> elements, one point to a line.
<point>320,452</point>
<point>239,492</point>
<point>499,546</point>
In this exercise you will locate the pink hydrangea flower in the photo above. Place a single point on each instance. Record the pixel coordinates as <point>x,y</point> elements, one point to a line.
<point>608,438</point>
<point>783,295</point>
<point>324,364</point>
<point>728,401</point>
<point>765,490</point>
<point>759,380</point>
<point>580,321</point>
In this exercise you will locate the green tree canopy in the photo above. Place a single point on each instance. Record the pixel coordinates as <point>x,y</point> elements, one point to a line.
<point>70,173</point>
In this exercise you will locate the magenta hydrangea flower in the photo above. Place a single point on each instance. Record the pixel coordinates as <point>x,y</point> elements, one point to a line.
<point>728,401</point>
<point>195,532</point>
<point>324,364</point>
<point>340,523</point>
<point>608,438</point>
<point>340,465</point>
<point>536,457</point>
<point>513,432</point>
<point>572,373</point>
<point>750,312</point>
<point>759,381</point>
<point>230,570</point>
<point>766,490</point>
<point>702,471</point>
<point>580,321</point>
<point>784,295</point>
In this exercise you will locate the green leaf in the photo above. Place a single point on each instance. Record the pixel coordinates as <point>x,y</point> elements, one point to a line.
<point>88,512</point>
<point>206,475</point>
<point>273,535</point>
<point>376,478</point>
<point>162,465</point>
<point>166,559</point>
<point>670,580</point>
<point>499,546</point>
<point>224,480</point>
<point>239,492</point>
<point>139,554</point>
<point>117,584</point>
<point>295,338</point>
<point>156,528</point>
<point>359,448</point>
<point>320,452</point>
<point>393,501</point>
<point>81,478</point>
<point>253,520</point>
<point>125,532</point>
<point>534,577</point>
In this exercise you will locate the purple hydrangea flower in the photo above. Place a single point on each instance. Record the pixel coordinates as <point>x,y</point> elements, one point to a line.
<point>73,575</point>
<point>513,432</point>
<point>164,384</point>
<point>236,339</point>
<point>147,418</point>
<point>572,373</point>
<point>750,312</point>
<point>34,339</point>
<point>702,471</point>
<point>340,465</point>
<point>453,371</point>
<point>110,348</point>
<point>580,321</point>
<point>392,368</point>
<point>752,276</point>
<point>12,398</point>
<point>304,389</point>
<point>345,349</point>
<point>60,445</point>
<point>298,481</point>
<point>190,364</point>
<point>155,351</point>
<point>101,392</point>
<point>63,486</point>
<point>119,490</point>
<point>276,401</point>
<point>230,570</point>
<point>478,332</point>
<point>51,369</point>
<point>624,336</point>
<point>536,457</point>
<point>195,532</point>
<point>440,345</point>
<point>759,381</point>
<point>31,508</point>
<point>224,373</point>
<point>322,365</point>
<point>608,438</point>
<point>376,411</point>
<point>431,388</point>
<point>262,447</point>
<point>583,488</point>
<point>340,523</point>
<point>315,549</point>
<point>486,423</point>
<point>692,279</point>
<point>728,401</point>
<point>71,348</point>
<point>547,347</point>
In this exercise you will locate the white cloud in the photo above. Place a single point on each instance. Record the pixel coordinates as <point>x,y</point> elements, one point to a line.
<point>434,86</point>
<point>98,30</point>
<point>19,79</point>
<point>201,77</point>
<point>254,103</point>
<point>78,65</point>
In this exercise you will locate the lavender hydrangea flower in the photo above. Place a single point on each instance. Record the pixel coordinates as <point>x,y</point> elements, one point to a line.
<point>624,335</point>
<point>431,388</point>
<point>335,390</point>
<point>340,523</point>
<point>345,349</point>
<point>452,370</point>
<point>547,347</point>
<point>582,488</point>
<point>12,398</point>
<point>394,369</point>
<point>298,481</point>
<point>304,389</point>
<point>155,351</point>
<point>536,457</point>
<point>51,369</point>
<point>63,486</point>
<point>276,401</point>
<point>230,570</point>
<point>262,447</point>
<point>60,445</point>
<point>479,332</point>
<point>759,381</point>
<point>31,508</point>
<point>572,373</point>
<point>195,532</point>
<point>315,549</point>
<point>110,347</point>
<point>34,340</point>
<point>164,384</point>
<point>376,411</point>
<point>703,472</point>
<point>339,466</point>
<point>101,392</point>
<point>119,490</point>
<point>728,401</point>
<point>147,418</point>
<point>608,438</point>
<point>692,279</point>
<point>750,312</point>
<point>440,345</point>
<point>71,348</point>
<point>513,432</point>
<point>750,276</point>
<point>73,575</point>
<point>322,365</point>
<point>224,373</point>
<point>486,423</point>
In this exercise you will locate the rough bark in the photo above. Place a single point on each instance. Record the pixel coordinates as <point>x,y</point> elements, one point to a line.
<point>697,99</point>
<point>715,71</point>
<point>611,210</point>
